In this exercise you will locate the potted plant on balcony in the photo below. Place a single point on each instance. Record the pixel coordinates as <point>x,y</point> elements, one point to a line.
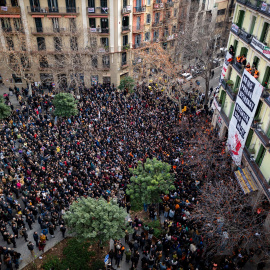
<point>230,83</point>
<point>126,47</point>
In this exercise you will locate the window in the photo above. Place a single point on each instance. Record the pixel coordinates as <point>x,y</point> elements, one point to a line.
<point>55,22</point>
<point>57,43</point>
<point>91,3</point>
<point>166,32</point>
<point>157,17</point>
<point>249,138</point>
<point>147,36</point>
<point>14,3</point>
<point>174,29</point>
<point>94,61</point>
<point>168,14</point>
<point>241,15</point>
<point>124,3</point>
<point>43,62</point>
<point>260,155</point>
<point>124,58</point>
<point>92,22</point>
<point>156,35</point>
<point>148,2</point>
<point>148,18</point>
<point>93,41</point>
<point>41,43</point>
<point>71,6</point>
<point>125,21</point>
<point>6,26</point>
<point>106,61</point>
<point>38,23</point>
<point>104,6</point>
<point>266,77</point>
<point>268,131</point>
<point>74,43</point>
<point>264,32</point>
<point>10,43</point>
<point>72,25</point>
<point>218,25</point>
<point>18,24</point>
<point>138,40</point>
<point>256,61</point>
<point>258,111</point>
<point>253,21</point>
<point>221,11</point>
<point>25,62</point>
<point>104,41</point>
<point>53,5</point>
<point>35,5</point>
<point>125,40</point>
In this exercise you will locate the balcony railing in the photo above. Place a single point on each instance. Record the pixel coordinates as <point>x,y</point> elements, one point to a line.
<point>10,10</point>
<point>126,10</point>
<point>53,9</point>
<point>257,5</point>
<point>137,29</point>
<point>157,6</point>
<point>256,170</point>
<point>138,45</point>
<point>7,29</point>
<point>246,37</point>
<point>169,5</point>
<point>228,89</point>
<point>126,28</point>
<point>157,24</point>
<point>139,9</point>
<point>124,64</point>
<point>104,30</point>
<point>51,30</point>
<point>97,10</point>
<point>238,66</point>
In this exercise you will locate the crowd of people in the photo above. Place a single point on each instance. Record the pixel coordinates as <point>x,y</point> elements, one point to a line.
<point>47,164</point>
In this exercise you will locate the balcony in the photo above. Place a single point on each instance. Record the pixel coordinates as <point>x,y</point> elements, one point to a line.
<point>97,10</point>
<point>105,67</point>
<point>7,29</point>
<point>126,10</point>
<point>137,10</point>
<point>125,28</point>
<point>138,29</point>
<point>224,117</point>
<point>261,135</point>
<point>124,64</point>
<point>169,5</point>
<point>237,66</point>
<point>266,96</point>
<point>138,45</point>
<point>246,37</point>
<point>53,10</point>
<point>51,31</point>
<point>228,90</point>
<point>9,10</point>
<point>257,172</point>
<point>157,6</point>
<point>260,48</point>
<point>157,24</point>
<point>258,6</point>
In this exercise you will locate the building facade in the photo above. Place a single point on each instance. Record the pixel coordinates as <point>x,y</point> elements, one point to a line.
<point>250,41</point>
<point>56,28</point>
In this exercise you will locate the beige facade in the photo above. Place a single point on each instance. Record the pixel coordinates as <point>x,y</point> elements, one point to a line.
<point>249,37</point>
<point>100,33</point>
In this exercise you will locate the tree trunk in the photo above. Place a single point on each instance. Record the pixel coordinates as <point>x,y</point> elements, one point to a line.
<point>206,90</point>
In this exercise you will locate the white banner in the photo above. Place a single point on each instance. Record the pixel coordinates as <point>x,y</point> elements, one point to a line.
<point>246,103</point>
<point>225,66</point>
<point>259,46</point>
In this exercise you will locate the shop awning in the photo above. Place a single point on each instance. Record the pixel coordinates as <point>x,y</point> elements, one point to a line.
<point>245,180</point>
<point>54,16</point>
<point>37,16</point>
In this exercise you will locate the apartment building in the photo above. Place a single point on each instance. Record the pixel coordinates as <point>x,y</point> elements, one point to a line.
<point>54,29</point>
<point>249,43</point>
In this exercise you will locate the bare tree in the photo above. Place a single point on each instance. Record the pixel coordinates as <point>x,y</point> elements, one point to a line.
<point>196,44</point>
<point>228,219</point>
<point>63,58</point>
<point>154,66</point>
